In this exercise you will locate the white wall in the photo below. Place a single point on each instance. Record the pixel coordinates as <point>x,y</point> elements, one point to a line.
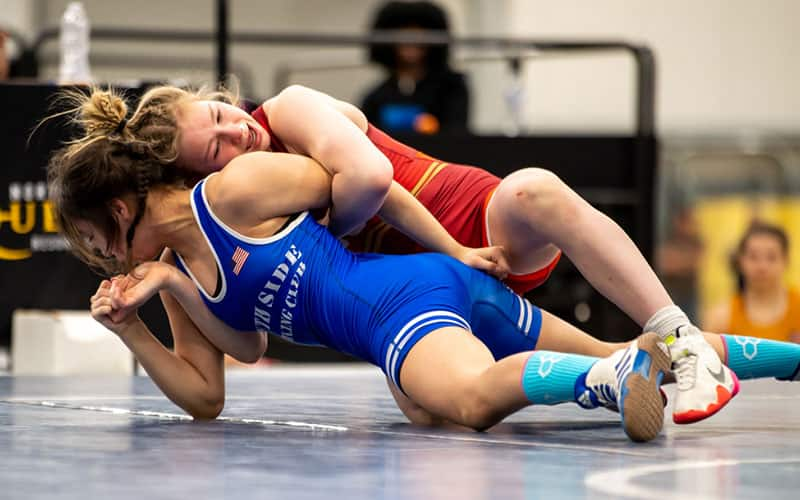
<point>17,15</point>
<point>723,65</point>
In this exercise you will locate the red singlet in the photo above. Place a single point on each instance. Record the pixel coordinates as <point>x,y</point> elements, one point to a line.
<point>457,195</point>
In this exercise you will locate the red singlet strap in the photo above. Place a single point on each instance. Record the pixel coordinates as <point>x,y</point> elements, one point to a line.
<point>275,143</point>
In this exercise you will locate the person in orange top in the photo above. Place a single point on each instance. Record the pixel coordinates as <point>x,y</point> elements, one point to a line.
<point>764,307</point>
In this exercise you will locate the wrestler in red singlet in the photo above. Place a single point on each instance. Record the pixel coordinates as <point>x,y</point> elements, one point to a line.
<point>457,195</point>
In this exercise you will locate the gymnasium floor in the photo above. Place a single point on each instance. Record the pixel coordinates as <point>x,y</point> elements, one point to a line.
<point>334,433</point>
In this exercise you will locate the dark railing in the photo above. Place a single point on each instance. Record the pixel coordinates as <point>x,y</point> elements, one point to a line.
<point>643,57</point>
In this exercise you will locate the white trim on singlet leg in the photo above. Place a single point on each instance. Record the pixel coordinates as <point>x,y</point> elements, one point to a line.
<point>408,330</point>
<point>530,316</point>
<point>521,312</point>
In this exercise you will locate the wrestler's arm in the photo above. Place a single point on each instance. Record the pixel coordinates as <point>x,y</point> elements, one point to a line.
<point>247,347</point>
<point>192,375</point>
<point>409,216</point>
<point>332,132</point>
<point>256,187</point>
<point>310,124</point>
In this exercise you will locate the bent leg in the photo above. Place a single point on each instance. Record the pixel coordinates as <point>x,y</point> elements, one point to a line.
<point>451,373</point>
<point>533,213</point>
<point>448,373</point>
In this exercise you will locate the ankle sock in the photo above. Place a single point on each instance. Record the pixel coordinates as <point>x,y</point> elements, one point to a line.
<point>549,378</point>
<point>752,357</point>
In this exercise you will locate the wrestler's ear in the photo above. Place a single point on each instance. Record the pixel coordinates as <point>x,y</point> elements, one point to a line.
<point>120,210</point>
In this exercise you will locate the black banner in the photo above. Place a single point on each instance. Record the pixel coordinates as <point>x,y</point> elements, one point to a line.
<point>36,271</point>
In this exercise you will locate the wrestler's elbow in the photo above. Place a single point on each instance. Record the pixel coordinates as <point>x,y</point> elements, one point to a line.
<point>378,174</point>
<point>208,408</point>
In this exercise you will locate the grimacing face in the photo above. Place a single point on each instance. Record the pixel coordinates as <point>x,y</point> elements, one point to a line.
<point>763,261</point>
<point>96,240</point>
<point>144,247</point>
<point>213,133</point>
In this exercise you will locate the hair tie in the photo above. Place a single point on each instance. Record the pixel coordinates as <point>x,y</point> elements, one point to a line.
<point>121,126</point>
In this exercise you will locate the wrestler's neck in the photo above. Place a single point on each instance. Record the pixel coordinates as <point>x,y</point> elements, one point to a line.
<point>169,217</point>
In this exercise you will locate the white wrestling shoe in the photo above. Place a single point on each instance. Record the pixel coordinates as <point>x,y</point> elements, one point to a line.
<point>638,371</point>
<point>705,384</point>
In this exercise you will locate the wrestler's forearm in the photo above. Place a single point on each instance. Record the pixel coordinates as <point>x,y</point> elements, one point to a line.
<point>177,378</point>
<point>410,217</point>
<point>355,198</point>
<point>332,133</point>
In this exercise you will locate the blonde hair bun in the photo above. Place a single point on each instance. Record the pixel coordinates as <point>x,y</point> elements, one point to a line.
<point>102,112</point>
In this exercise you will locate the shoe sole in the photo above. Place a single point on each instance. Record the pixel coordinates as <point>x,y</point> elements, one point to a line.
<point>723,398</point>
<point>641,404</point>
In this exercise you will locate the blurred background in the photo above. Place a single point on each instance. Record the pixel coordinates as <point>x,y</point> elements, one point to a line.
<point>718,147</point>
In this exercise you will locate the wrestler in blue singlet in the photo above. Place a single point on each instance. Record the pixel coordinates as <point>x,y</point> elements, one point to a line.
<point>304,286</point>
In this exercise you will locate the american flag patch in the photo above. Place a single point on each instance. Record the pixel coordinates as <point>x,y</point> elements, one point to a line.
<point>239,257</point>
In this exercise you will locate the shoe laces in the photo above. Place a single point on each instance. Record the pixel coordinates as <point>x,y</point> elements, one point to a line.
<point>685,370</point>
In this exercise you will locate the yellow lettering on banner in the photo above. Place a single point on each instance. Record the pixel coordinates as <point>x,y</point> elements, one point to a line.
<point>14,216</point>
<point>12,254</point>
<point>49,223</point>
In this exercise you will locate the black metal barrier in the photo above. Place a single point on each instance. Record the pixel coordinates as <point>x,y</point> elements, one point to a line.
<point>615,173</point>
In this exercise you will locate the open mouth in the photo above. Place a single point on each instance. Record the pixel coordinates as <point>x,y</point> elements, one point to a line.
<point>252,139</point>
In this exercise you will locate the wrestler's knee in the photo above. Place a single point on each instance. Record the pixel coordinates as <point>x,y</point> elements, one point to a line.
<point>475,409</point>
<point>537,194</point>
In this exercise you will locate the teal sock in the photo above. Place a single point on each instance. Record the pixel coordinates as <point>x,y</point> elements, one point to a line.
<point>751,357</point>
<point>548,378</point>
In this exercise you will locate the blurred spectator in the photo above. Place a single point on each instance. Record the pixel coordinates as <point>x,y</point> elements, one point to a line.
<point>764,307</point>
<point>421,92</point>
<point>678,259</point>
<point>4,62</point>
<point>16,61</point>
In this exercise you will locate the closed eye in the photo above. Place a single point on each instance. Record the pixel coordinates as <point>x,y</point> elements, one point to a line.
<point>219,119</point>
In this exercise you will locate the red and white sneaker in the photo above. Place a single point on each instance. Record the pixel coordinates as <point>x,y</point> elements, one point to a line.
<point>705,384</point>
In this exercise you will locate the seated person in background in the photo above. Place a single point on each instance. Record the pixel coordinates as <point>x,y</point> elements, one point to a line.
<point>764,307</point>
<point>420,93</point>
